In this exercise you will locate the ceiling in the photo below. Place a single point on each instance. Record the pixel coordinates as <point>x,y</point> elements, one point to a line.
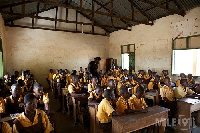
<point>110,15</point>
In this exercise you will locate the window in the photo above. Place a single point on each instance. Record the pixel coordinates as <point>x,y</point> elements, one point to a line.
<point>186,56</point>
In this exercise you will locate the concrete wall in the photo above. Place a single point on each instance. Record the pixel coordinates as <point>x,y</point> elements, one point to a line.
<point>154,43</point>
<point>39,50</point>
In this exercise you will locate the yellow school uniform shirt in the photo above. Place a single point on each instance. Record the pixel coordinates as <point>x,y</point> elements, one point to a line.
<point>79,72</point>
<point>104,81</point>
<point>2,105</point>
<point>72,87</point>
<point>140,76</point>
<point>111,77</point>
<point>91,87</point>
<point>122,105</point>
<point>167,92</point>
<point>104,112</point>
<point>57,77</point>
<point>118,87</point>
<point>93,95</point>
<point>162,78</point>
<point>178,82</point>
<point>27,123</point>
<point>135,88</point>
<point>147,76</point>
<point>191,81</point>
<point>180,92</point>
<point>44,99</point>
<point>138,103</point>
<point>12,101</point>
<point>151,84</point>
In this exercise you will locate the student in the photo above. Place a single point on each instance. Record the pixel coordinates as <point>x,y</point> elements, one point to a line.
<point>182,90</point>
<point>28,87</point>
<point>162,78</point>
<point>80,71</point>
<point>68,78</point>
<point>50,78</point>
<point>167,95</point>
<point>154,85</point>
<point>141,74</point>
<point>138,100</point>
<point>111,84</point>
<point>182,75</point>
<point>130,81</point>
<point>96,95</point>
<point>105,111</point>
<point>74,88</point>
<point>31,120</point>
<point>139,83</point>
<point>104,81</point>
<point>191,81</point>
<point>148,76</point>
<point>87,78</point>
<point>120,83</point>
<point>42,98</point>
<point>14,103</point>
<point>92,86</point>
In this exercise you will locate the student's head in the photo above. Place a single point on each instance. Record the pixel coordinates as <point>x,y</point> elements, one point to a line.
<point>141,72</point>
<point>97,59</point>
<point>130,77</point>
<point>99,90</point>
<point>29,82</point>
<point>86,69</point>
<point>109,94</point>
<point>57,71</point>
<point>184,82</point>
<point>135,76</point>
<point>125,71</point>
<point>31,76</point>
<point>106,75</point>
<point>154,74</point>
<point>167,81</point>
<point>139,81</point>
<point>124,92</point>
<point>16,73</point>
<point>51,70</point>
<point>111,83</point>
<point>123,79</point>
<point>87,75</point>
<point>114,74</point>
<point>28,72</point>
<point>109,73</point>
<point>21,82</point>
<point>149,72</point>
<point>81,69</point>
<point>182,75</point>
<point>165,72</point>
<point>73,72</point>
<point>190,76</point>
<point>38,89</point>
<point>16,90</point>
<point>157,79</point>
<point>75,79</point>
<point>30,103</point>
<point>94,80</point>
<point>140,91</point>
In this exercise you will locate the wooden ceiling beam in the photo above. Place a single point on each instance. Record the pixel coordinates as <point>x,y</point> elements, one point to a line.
<point>179,7</point>
<point>88,10</point>
<point>15,4</point>
<point>161,6</point>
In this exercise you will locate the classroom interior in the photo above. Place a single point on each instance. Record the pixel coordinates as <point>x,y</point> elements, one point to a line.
<point>39,37</point>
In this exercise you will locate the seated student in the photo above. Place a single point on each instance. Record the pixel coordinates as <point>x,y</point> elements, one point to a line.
<point>14,103</point>
<point>182,75</point>
<point>92,85</point>
<point>28,87</point>
<point>121,73</point>
<point>80,71</point>
<point>68,78</point>
<point>74,88</point>
<point>87,78</point>
<point>125,72</point>
<point>100,75</point>
<point>148,76</point>
<point>31,120</point>
<point>130,81</point>
<point>50,78</point>
<point>162,78</point>
<point>167,95</point>
<point>42,98</point>
<point>141,74</point>
<point>139,83</point>
<point>124,105</point>
<point>96,95</point>
<point>111,84</point>
<point>105,111</point>
<point>182,90</point>
<point>104,80</point>
<point>191,81</point>
<point>154,85</point>
<point>120,83</point>
<point>137,99</point>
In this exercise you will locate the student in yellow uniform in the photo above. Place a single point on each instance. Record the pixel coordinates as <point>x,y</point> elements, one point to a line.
<point>182,75</point>
<point>148,76</point>
<point>50,78</point>
<point>162,78</point>
<point>14,103</point>
<point>141,74</point>
<point>139,83</point>
<point>31,120</point>
<point>167,95</point>
<point>91,86</point>
<point>111,84</point>
<point>42,98</point>
<point>182,90</point>
<point>96,95</point>
<point>81,71</point>
<point>138,100</point>
<point>154,84</point>
<point>104,80</point>
<point>120,83</point>
<point>130,81</point>
<point>28,87</point>
<point>191,81</point>
<point>68,78</point>
<point>105,111</point>
<point>74,88</point>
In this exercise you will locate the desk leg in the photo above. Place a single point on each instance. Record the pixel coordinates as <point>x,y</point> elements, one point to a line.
<point>92,119</point>
<point>184,117</point>
<point>197,119</point>
<point>74,109</point>
<point>63,104</point>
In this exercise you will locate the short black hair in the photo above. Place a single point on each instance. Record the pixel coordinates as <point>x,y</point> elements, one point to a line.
<point>108,93</point>
<point>36,85</point>
<point>123,89</point>
<point>139,89</point>
<point>166,78</point>
<point>29,97</point>
<point>183,80</point>
<point>14,86</point>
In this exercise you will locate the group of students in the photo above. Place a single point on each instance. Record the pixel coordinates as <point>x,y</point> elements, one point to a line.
<point>121,91</point>
<point>27,102</point>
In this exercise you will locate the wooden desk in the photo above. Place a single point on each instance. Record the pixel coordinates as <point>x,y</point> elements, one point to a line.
<point>151,95</point>
<point>185,107</point>
<point>135,121</point>
<point>5,119</point>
